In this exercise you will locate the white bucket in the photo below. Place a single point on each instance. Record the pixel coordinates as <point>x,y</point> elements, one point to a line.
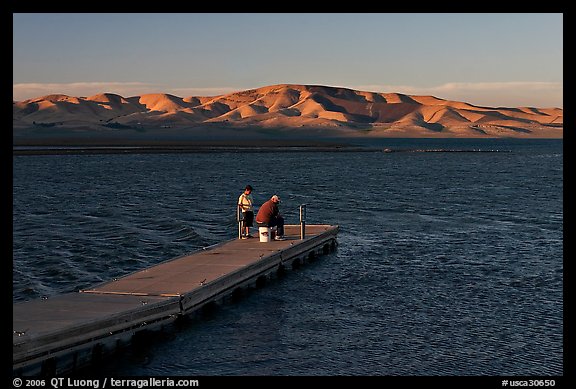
<point>265,234</point>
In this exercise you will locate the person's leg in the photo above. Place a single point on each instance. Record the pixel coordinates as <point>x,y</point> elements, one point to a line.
<point>243,223</point>
<point>280,226</point>
<point>249,220</point>
<point>278,222</point>
<point>274,225</point>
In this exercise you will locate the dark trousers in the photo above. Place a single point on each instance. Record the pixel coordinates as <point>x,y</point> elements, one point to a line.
<point>277,222</point>
<point>248,218</point>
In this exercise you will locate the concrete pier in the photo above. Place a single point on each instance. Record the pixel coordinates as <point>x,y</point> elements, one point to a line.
<point>65,332</point>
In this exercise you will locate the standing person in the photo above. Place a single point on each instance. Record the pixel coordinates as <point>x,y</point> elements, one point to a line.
<point>269,216</point>
<point>245,203</point>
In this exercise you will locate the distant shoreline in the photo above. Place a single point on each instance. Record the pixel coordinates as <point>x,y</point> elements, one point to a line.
<point>66,150</point>
<point>218,146</point>
<point>170,146</point>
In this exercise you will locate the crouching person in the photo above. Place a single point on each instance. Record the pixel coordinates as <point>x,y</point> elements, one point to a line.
<point>269,216</point>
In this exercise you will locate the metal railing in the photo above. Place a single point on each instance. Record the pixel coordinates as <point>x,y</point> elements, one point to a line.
<point>239,219</point>
<point>302,221</point>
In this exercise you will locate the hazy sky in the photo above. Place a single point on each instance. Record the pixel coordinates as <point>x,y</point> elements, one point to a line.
<point>487,59</point>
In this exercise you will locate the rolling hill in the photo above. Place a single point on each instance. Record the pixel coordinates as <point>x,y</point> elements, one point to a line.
<point>299,109</point>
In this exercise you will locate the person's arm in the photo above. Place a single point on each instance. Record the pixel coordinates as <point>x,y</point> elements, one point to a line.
<point>241,202</point>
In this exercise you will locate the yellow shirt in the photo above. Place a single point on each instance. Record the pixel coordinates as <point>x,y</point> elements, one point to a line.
<point>245,202</point>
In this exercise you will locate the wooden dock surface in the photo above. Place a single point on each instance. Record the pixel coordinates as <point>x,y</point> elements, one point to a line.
<point>66,331</point>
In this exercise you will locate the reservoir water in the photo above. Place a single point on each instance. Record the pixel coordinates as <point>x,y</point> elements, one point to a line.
<point>449,263</point>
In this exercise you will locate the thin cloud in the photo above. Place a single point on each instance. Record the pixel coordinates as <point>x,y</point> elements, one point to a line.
<point>493,94</point>
<point>24,91</point>
<point>216,91</point>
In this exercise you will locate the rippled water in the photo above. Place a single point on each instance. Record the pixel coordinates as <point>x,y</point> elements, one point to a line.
<point>448,263</point>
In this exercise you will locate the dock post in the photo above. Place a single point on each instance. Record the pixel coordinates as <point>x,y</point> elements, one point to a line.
<point>302,221</point>
<point>239,219</point>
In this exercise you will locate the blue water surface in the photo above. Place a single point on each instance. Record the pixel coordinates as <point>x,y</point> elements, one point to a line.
<point>449,263</point>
